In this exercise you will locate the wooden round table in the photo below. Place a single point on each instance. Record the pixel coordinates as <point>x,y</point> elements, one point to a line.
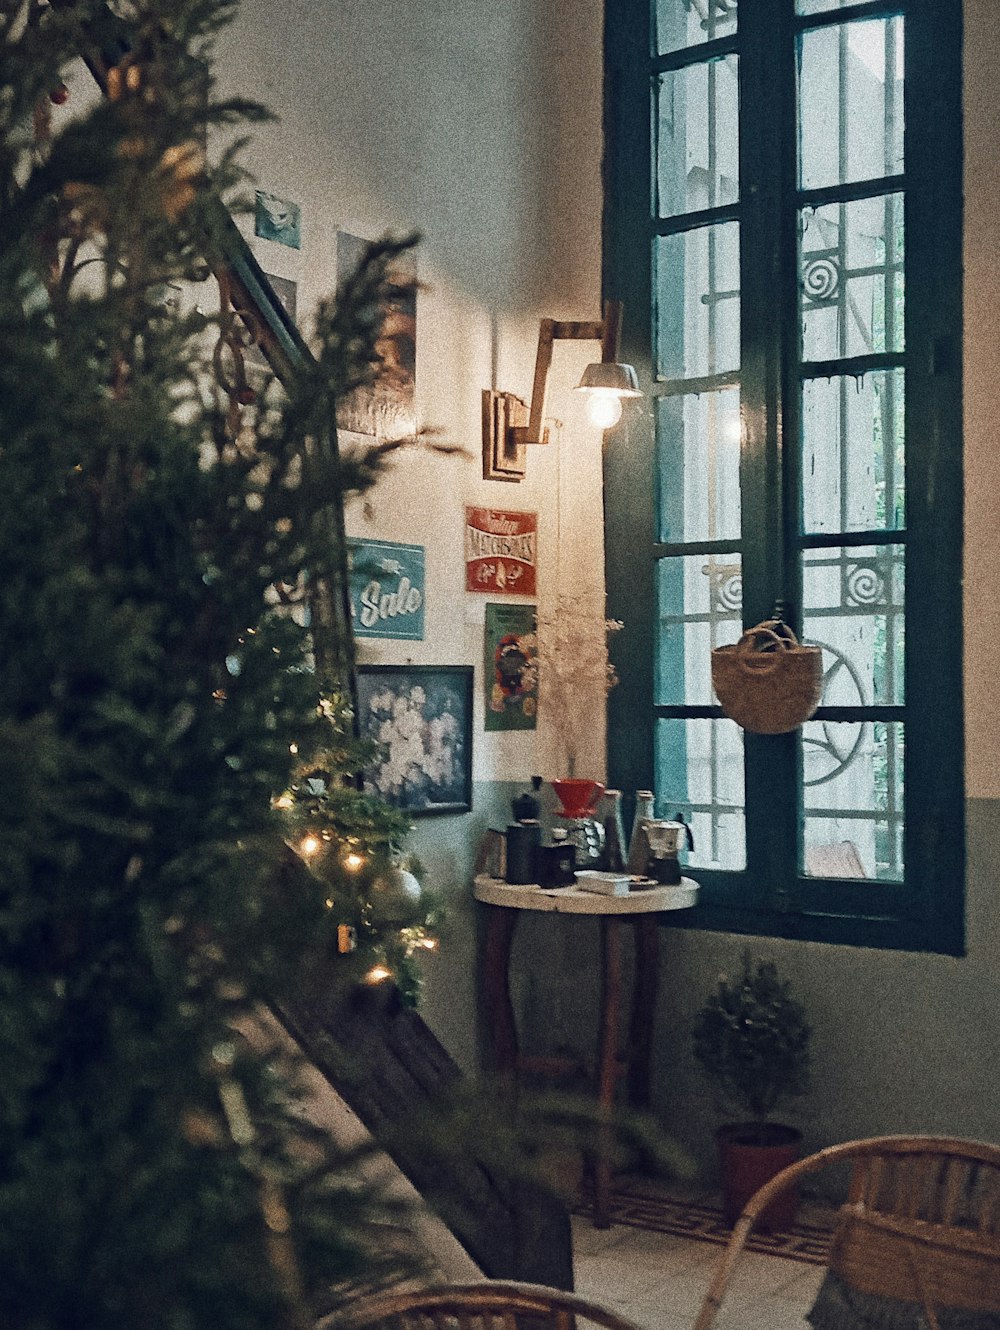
<point>504,901</point>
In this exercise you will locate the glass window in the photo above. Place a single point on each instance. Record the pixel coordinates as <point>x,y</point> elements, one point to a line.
<point>692,22</point>
<point>804,291</point>
<point>851,264</point>
<point>851,102</point>
<point>698,445</point>
<point>698,145</point>
<point>698,302</point>
<point>853,463</point>
<point>702,762</point>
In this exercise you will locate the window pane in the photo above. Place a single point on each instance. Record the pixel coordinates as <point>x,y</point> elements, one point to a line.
<point>697,137</point>
<point>698,447</point>
<point>851,102</point>
<point>852,452</point>
<point>806,7</point>
<point>697,320</point>
<point>699,766</point>
<point>853,799</point>
<point>853,608</point>
<point>700,603</point>
<point>682,23</point>
<point>851,278</point>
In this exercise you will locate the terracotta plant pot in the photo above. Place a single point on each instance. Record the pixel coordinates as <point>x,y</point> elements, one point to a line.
<point>750,1155</point>
<point>577,797</point>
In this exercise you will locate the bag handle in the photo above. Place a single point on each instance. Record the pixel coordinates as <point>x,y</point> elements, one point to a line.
<point>777,638</point>
<point>779,628</point>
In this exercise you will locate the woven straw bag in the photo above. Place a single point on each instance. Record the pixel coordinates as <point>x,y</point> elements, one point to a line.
<point>767,682</point>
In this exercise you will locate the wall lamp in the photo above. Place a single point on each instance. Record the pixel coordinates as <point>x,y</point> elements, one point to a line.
<point>509,425</point>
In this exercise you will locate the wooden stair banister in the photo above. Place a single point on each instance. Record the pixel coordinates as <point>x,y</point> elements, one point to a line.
<point>512,1230</point>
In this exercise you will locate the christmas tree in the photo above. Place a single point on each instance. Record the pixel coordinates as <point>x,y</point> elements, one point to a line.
<point>174,716</point>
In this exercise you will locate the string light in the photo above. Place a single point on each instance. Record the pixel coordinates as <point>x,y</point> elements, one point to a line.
<point>353,861</point>
<point>308,845</point>
<point>378,974</point>
<point>293,749</point>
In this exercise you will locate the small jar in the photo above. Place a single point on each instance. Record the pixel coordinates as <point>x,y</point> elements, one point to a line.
<point>557,862</point>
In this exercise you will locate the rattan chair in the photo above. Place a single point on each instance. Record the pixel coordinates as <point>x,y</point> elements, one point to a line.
<point>488,1305</point>
<point>917,1239</point>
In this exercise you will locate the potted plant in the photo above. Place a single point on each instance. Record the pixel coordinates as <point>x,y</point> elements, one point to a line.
<point>752,1040</point>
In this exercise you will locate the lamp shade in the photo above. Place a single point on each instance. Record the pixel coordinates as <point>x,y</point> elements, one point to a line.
<point>609,376</point>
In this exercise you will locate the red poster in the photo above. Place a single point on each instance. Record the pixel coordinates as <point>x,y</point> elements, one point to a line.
<point>501,551</point>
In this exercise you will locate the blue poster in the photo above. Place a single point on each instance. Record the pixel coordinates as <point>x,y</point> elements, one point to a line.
<point>387,589</point>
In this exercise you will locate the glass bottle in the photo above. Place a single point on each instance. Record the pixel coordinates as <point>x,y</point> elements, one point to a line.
<point>615,850</point>
<point>638,846</point>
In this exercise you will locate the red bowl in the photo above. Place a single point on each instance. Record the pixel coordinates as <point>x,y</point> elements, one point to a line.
<point>577,797</point>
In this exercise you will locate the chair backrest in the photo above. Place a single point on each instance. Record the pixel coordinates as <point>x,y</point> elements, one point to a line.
<point>487,1305</point>
<point>921,1222</point>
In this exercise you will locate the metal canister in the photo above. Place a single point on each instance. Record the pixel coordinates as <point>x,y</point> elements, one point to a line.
<point>523,840</point>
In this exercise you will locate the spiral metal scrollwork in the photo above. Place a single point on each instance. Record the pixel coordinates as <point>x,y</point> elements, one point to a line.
<point>729,592</point>
<point>821,279</point>
<point>865,584</point>
<point>726,586</point>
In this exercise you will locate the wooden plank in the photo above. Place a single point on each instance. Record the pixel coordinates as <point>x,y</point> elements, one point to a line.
<point>388,1066</point>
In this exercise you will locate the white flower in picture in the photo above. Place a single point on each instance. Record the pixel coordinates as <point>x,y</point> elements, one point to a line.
<point>422,736</point>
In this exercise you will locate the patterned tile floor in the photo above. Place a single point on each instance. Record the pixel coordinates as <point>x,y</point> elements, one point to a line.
<point>659,1279</point>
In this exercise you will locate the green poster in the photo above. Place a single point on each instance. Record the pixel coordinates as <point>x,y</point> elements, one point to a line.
<point>511,672</point>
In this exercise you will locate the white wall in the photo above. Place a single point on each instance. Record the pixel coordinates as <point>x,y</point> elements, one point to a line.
<point>479,125</point>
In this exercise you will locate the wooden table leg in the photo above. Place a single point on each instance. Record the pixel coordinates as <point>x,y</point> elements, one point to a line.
<point>500,924</point>
<point>607,1063</point>
<point>644,989</point>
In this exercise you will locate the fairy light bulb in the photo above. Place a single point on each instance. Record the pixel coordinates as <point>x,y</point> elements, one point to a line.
<point>378,974</point>
<point>604,408</point>
<point>353,861</point>
<point>309,845</point>
<point>285,801</point>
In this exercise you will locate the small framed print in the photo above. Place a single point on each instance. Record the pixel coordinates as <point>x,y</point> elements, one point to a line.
<point>420,719</point>
<point>277,219</point>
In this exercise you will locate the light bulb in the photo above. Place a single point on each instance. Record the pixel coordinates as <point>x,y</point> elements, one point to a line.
<point>604,408</point>
<point>729,431</point>
<point>377,975</point>
<point>352,862</point>
<point>308,845</point>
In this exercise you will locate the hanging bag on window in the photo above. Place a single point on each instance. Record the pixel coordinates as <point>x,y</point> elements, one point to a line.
<point>767,682</point>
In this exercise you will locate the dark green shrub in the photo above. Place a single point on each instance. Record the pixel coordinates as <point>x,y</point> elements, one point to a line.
<point>752,1040</point>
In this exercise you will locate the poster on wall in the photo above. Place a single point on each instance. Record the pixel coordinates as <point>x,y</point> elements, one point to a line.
<point>511,667</point>
<point>277,219</point>
<point>387,589</point>
<point>385,409</point>
<point>501,551</point>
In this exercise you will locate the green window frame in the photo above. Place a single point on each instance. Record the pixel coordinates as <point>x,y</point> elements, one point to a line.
<point>779,214</point>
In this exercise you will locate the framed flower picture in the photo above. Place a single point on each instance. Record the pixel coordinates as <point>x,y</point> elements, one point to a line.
<point>420,719</point>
